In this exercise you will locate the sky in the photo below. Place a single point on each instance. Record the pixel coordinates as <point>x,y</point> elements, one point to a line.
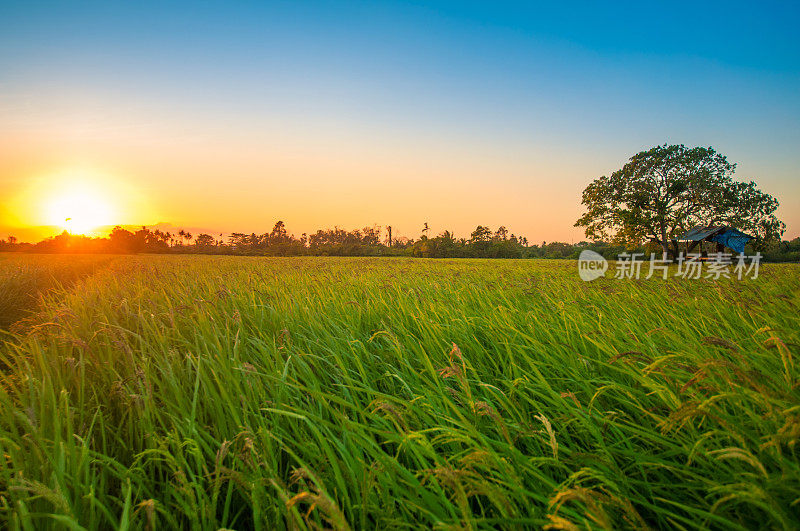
<point>229,116</point>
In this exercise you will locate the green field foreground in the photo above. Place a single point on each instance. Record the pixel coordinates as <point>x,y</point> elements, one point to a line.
<point>157,392</point>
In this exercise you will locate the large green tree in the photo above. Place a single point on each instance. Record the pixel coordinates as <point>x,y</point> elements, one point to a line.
<point>662,192</point>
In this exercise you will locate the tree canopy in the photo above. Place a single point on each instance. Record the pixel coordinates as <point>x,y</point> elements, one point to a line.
<point>662,192</point>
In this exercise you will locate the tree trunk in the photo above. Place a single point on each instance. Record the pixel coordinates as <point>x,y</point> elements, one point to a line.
<point>664,248</point>
<point>674,249</point>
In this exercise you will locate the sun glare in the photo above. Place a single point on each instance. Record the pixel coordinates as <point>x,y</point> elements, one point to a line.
<point>80,211</point>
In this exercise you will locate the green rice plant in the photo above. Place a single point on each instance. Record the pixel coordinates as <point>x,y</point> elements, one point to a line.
<point>24,277</point>
<point>303,393</point>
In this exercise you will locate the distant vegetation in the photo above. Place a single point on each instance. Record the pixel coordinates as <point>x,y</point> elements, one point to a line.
<point>369,241</point>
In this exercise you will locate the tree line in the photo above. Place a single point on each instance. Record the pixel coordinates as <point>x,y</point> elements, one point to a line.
<point>483,242</point>
<point>368,241</point>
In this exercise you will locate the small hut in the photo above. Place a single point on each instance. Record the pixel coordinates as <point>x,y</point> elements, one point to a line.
<point>722,235</point>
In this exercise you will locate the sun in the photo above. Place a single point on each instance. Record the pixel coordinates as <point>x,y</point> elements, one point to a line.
<point>80,200</point>
<point>80,211</point>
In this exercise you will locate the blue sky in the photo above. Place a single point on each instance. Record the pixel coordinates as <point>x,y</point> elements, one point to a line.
<point>455,113</point>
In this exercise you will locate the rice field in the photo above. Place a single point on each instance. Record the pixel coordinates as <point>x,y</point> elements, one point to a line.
<point>176,392</point>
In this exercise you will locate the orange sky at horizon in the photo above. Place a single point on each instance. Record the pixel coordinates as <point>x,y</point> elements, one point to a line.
<point>228,184</point>
<point>187,173</point>
<point>248,188</point>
